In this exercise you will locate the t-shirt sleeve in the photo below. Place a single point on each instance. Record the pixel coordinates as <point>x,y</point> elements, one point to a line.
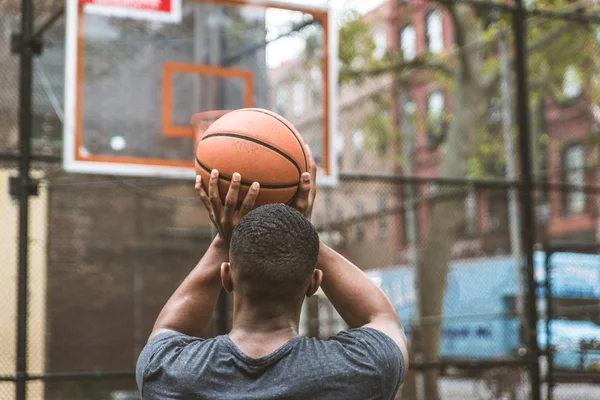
<point>379,350</point>
<point>157,359</point>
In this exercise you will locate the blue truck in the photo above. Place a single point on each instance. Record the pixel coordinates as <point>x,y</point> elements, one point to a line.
<point>479,319</point>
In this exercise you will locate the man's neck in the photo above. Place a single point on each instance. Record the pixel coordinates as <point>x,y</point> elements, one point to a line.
<point>258,330</point>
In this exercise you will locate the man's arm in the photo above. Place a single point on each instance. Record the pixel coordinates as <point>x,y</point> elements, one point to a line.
<point>190,308</point>
<point>358,300</point>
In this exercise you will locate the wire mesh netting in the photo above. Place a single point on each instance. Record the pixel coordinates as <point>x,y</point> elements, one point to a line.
<point>427,204</point>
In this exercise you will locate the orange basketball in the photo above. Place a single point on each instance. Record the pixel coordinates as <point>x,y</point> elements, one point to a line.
<point>262,147</point>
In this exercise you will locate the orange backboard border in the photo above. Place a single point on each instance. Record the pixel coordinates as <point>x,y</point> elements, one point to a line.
<point>171,68</point>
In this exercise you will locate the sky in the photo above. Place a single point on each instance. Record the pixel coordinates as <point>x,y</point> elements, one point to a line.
<point>278,22</point>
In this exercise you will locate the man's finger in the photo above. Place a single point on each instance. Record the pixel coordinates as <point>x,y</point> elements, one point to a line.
<point>232,197</point>
<point>302,196</point>
<point>312,169</point>
<point>204,197</point>
<point>202,193</point>
<point>213,194</point>
<point>312,166</point>
<point>248,203</point>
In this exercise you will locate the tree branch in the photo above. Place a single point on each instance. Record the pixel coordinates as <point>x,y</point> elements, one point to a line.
<point>402,66</point>
<point>459,35</point>
<point>492,80</point>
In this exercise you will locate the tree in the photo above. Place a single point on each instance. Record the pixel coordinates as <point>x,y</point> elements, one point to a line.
<point>556,49</point>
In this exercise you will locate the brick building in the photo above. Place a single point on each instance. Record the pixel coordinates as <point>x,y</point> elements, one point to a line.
<point>560,150</point>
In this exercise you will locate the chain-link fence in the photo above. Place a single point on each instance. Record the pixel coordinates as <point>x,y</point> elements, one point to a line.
<point>106,253</point>
<point>419,99</point>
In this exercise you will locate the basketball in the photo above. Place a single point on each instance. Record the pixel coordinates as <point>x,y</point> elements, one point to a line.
<point>262,147</point>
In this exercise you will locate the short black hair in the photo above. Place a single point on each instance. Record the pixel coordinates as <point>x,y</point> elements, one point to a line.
<point>274,251</point>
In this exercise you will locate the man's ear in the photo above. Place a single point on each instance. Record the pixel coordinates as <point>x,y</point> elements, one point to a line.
<point>226,277</point>
<point>315,282</point>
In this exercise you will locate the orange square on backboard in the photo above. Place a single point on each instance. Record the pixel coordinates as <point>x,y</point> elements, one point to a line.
<point>170,69</point>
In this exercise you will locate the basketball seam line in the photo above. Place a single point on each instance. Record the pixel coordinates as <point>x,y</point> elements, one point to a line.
<point>258,110</point>
<point>268,146</point>
<point>246,183</point>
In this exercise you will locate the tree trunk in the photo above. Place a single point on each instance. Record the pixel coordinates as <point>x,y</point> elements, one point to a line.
<point>470,106</point>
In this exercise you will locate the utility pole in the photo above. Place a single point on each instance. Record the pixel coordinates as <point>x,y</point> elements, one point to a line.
<point>22,187</point>
<point>409,190</point>
<point>519,25</point>
<point>509,156</point>
<point>405,111</point>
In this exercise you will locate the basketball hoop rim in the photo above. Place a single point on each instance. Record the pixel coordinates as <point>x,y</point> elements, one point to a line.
<point>201,121</point>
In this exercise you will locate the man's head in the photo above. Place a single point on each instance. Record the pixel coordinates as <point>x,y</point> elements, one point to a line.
<point>273,256</point>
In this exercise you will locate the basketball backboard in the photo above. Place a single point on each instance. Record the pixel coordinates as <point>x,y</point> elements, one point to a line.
<point>132,85</point>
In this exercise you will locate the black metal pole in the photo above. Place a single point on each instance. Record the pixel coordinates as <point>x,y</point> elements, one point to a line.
<point>549,318</point>
<point>527,208</point>
<point>222,300</point>
<point>24,186</point>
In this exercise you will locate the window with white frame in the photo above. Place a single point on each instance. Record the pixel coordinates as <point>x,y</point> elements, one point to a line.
<point>330,321</point>
<point>358,144</point>
<point>339,143</point>
<point>436,127</point>
<point>574,174</point>
<point>281,100</point>
<point>571,83</point>
<point>408,42</point>
<point>316,84</point>
<point>408,213</point>
<point>471,213</point>
<point>382,226</point>
<point>360,223</point>
<point>432,189</point>
<point>339,215</point>
<point>381,43</point>
<point>434,30</point>
<point>498,211</point>
<point>299,98</point>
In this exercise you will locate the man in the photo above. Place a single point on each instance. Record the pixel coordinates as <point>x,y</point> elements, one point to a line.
<point>270,259</point>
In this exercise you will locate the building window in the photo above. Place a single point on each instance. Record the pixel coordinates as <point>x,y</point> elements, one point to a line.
<point>358,144</point>
<point>339,215</point>
<point>280,101</point>
<point>571,83</point>
<point>299,98</point>
<point>408,206</point>
<point>498,212</point>
<point>573,163</point>
<point>382,225</point>
<point>435,36</point>
<point>339,143</point>
<point>436,125</point>
<point>380,40</point>
<point>494,114</point>
<point>471,213</point>
<point>316,87</point>
<point>432,189</point>
<point>360,220</point>
<point>408,42</point>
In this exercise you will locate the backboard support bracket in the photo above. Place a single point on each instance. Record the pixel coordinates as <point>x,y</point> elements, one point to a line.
<point>15,187</point>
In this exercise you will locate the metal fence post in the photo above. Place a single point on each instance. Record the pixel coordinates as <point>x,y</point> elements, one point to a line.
<point>527,209</point>
<point>549,318</point>
<point>23,187</point>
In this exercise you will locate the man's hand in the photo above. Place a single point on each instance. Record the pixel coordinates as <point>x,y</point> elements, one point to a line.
<point>307,189</point>
<point>225,217</point>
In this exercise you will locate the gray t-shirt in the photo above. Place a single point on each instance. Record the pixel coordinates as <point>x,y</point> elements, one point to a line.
<point>356,364</point>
